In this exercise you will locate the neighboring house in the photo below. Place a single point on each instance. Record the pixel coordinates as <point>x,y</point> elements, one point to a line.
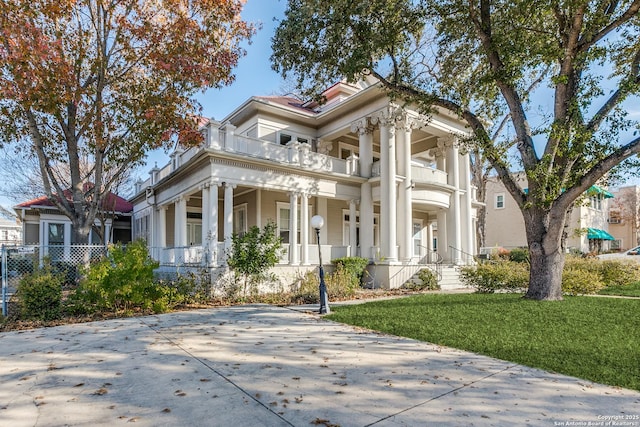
<point>10,232</point>
<point>587,230</point>
<point>383,177</point>
<point>624,218</point>
<point>45,227</point>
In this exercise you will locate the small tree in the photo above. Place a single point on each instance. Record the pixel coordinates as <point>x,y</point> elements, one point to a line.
<point>253,253</point>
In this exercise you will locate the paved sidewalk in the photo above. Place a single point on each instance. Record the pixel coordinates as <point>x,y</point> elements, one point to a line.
<point>267,366</point>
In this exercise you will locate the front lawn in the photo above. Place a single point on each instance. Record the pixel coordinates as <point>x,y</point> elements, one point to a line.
<point>632,290</point>
<point>592,338</point>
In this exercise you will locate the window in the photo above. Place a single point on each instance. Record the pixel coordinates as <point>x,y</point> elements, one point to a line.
<point>194,232</point>
<point>141,228</point>
<point>417,238</point>
<point>5,235</point>
<point>56,234</point>
<point>284,139</point>
<point>283,219</point>
<point>596,202</point>
<point>347,150</point>
<point>346,233</point>
<point>283,222</point>
<point>616,245</point>
<point>56,238</point>
<point>614,217</point>
<point>240,219</point>
<point>500,201</point>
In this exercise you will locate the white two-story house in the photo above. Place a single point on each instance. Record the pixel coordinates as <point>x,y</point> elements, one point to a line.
<point>391,184</point>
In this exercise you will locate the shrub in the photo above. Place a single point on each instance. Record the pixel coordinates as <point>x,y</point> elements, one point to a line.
<point>39,294</point>
<point>254,253</point>
<point>519,255</point>
<point>620,273</point>
<point>353,267</point>
<point>428,279</point>
<point>576,281</point>
<point>499,275</point>
<point>339,284</point>
<point>121,281</point>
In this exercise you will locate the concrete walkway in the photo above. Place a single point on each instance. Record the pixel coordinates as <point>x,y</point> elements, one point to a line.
<point>267,366</point>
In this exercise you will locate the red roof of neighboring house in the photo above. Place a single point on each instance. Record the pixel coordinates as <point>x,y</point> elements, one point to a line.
<point>111,202</point>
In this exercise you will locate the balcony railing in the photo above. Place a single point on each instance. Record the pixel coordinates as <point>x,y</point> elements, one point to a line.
<point>419,174</point>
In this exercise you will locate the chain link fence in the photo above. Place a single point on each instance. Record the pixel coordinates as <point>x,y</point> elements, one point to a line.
<point>19,261</point>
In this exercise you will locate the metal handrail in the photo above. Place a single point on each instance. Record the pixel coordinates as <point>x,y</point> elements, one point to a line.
<point>470,256</point>
<point>434,259</point>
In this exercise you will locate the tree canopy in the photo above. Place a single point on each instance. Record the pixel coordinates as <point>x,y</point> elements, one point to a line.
<point>482,59</point>
<point>101,82</point>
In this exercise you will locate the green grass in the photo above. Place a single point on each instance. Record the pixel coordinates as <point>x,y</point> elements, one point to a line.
<point>632,290</point>
<point>591,338</point>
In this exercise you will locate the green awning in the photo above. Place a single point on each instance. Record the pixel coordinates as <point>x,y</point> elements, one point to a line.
<point>595,233</point>
<point>594,189</point>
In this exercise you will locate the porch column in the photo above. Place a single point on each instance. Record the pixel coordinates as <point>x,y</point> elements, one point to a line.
<point>304,228</point>
<point>205,217</point>
<point>388,192</point>
<point>404,210</point>
<point>67,241</point>
<point>322,211</point>
<point>180,231</point>
<point>468,196</point>
<point>443,241</point>
<point>353,229</point>
<point>212,214</point>
<point>429,244</point>
<point>294,258</point>
<point>228,214</point>
<point>162,227</point>
<point>365,146</point>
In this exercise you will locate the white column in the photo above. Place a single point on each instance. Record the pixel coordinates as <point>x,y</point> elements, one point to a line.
<point>404,209</point>
<point>457,226</point>
<point>470,231</point>
<point>322,211</point>
<point>443,241</point>
<point>162,227</point>
<point>294,258</point>
<point>429,244</point>
<point>388,202</point>
<point>228,214</point>
<point>107,231</point>
<point>67,241</point>
<point>212,213</point>
<point>259,208</point>
<point>353,228</point>
<point>304,228</point>
<point>180,221</point>
<point>365,143</point>
<point>205,217</point>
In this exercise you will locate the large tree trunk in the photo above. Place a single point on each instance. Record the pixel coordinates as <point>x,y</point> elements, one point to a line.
<point>545,230</point>
<point>481,221</point>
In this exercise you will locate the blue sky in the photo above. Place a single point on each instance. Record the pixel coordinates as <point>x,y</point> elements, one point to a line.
<point>254,76</point>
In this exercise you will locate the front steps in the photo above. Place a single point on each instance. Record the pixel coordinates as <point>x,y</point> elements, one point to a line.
<point>450,279</point>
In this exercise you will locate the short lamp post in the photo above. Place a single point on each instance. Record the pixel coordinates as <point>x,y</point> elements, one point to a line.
<point>317,222</point>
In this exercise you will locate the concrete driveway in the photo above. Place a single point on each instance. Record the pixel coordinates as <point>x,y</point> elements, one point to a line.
<point>267,366</point>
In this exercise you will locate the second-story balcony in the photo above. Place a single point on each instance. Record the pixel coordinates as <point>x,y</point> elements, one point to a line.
<point>294,154</point>
<point>419,174</point>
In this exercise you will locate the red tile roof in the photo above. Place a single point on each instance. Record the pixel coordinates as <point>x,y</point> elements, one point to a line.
<point>111,202</point>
